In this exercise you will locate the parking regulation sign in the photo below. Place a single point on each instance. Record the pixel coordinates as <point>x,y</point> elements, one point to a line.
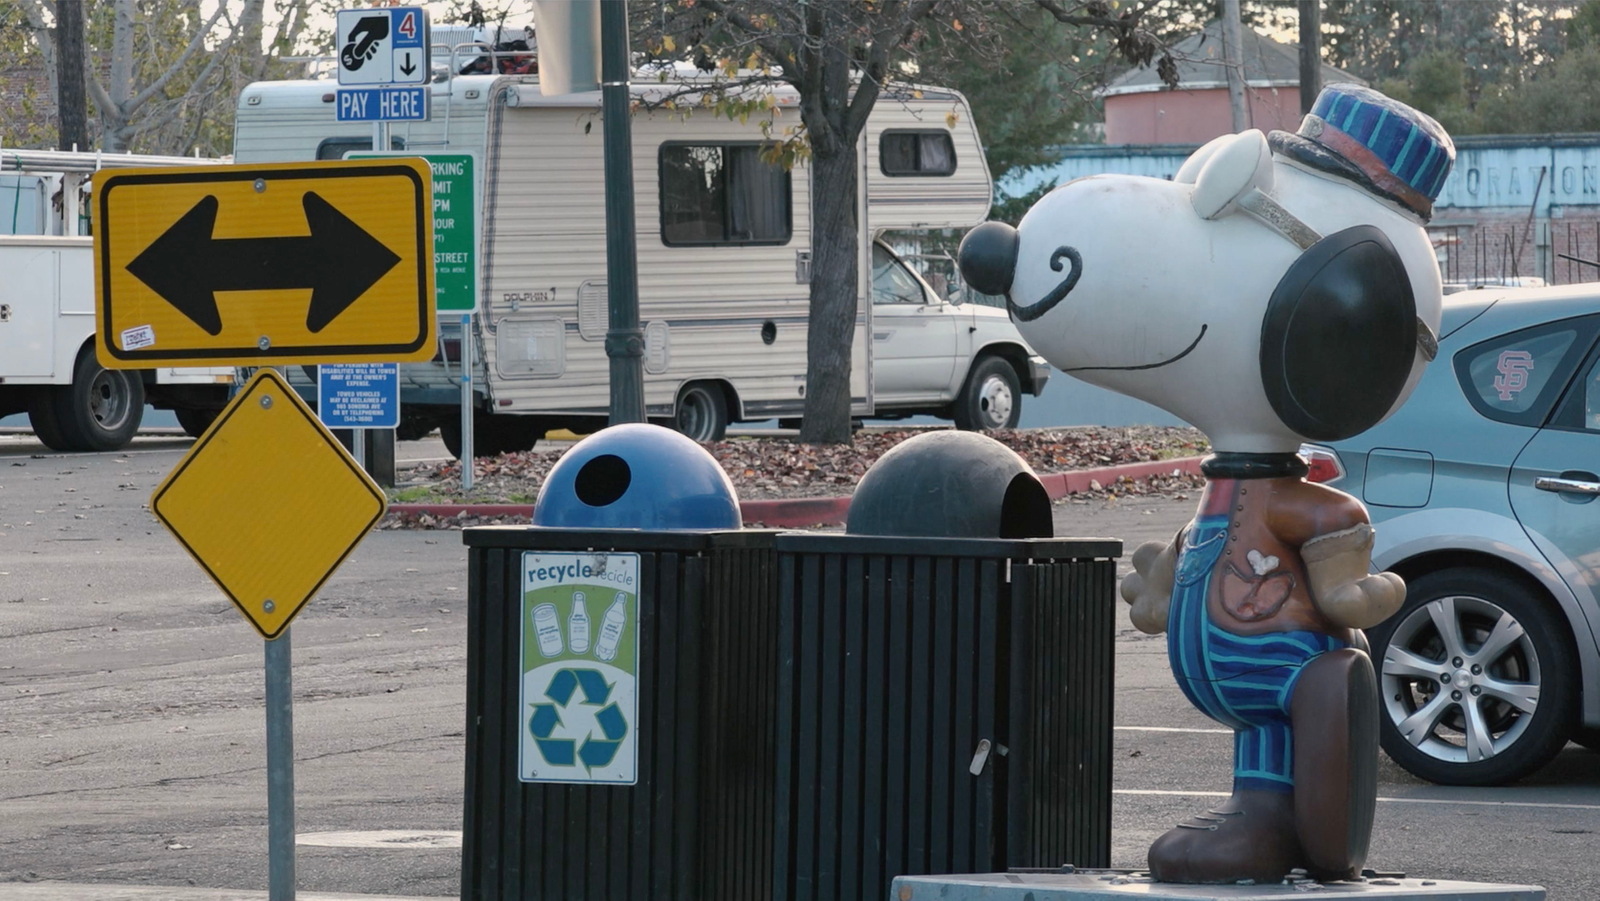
<point>358,395</point>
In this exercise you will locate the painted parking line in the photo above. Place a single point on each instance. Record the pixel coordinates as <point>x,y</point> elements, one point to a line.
<point>1437,801</point>
<point>1172,729</point>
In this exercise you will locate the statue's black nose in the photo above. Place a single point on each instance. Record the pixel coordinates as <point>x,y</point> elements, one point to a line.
<point>988,257</point>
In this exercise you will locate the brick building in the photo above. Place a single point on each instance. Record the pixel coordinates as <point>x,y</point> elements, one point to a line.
<point>1140,109</point>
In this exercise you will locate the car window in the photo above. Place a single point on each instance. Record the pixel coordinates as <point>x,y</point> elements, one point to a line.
<point>891,282</point>
<point>1516,378</point>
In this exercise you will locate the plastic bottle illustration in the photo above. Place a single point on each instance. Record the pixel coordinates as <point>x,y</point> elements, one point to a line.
<point>548,628</point>
<point>578,625</point>
<point>611,628</point>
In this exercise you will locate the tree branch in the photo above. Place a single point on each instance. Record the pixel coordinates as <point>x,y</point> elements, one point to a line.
<point>761,36</point>
<point>194,46</point>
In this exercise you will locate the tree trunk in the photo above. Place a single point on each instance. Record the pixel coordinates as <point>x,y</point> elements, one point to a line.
<point>116,135</point>
<point>1310,53</point>
<point>834,254</point>
<point>1233,63</point>
<point>71,97</point>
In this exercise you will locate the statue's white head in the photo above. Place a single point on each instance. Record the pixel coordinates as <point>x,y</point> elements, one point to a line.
<point>1274,291</point>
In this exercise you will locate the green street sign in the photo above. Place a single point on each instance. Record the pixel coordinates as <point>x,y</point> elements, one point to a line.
<point>455,227</point>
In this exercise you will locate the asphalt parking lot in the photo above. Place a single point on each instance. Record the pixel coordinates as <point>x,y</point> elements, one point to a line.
<point>131,726</point>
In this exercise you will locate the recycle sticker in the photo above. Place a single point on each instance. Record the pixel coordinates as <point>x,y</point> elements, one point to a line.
<point>580,668</point>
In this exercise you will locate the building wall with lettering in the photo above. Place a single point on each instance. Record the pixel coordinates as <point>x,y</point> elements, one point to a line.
<point>1514,207</point>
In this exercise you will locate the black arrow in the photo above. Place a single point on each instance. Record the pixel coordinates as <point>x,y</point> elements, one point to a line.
<point>339,261</point>
<point>406,66</point>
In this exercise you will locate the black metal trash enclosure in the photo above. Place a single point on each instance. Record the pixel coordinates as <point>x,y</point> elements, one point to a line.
<point>944,706</point>
<point>812,713</point>
<point>696,821</point>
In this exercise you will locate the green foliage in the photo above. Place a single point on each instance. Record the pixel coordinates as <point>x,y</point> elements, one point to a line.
<point>1497,42</point>
<point>1583,29</point>
<point>1010,210</point>
<point>1035,93</point>
<point>1562,96</point>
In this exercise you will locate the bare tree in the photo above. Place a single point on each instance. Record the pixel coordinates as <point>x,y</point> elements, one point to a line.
<point>163,74</point>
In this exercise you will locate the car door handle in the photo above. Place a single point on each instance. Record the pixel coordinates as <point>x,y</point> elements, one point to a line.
<point>1566,485</point>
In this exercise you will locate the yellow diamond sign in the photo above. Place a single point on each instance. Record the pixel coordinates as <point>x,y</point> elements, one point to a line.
<point>268,503</point>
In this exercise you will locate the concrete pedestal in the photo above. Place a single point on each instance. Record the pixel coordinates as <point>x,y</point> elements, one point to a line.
<point>1114,885</point>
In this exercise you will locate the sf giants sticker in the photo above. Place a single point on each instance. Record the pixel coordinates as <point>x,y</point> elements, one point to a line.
<point>1514,367</point>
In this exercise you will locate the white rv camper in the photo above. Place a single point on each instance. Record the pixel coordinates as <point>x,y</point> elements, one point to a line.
<point>47,359</point>
<point>724,248</point>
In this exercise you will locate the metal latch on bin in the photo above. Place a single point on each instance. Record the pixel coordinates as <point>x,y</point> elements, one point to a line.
<point>980,756</point>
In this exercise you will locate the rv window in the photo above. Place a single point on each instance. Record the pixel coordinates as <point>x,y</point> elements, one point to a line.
<point>722,194</point>
<point>336,148</point>
<point>917,153</point>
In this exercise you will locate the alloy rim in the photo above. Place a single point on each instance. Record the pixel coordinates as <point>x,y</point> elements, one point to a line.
<point>1461,679</point>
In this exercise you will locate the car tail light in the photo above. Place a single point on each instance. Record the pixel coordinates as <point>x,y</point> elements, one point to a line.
<point>1325,464</point>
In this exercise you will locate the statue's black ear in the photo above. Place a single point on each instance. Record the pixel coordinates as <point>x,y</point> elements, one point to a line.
<point>1340,336</point>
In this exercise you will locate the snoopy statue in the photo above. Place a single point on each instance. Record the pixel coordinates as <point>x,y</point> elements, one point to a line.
<point>1277,290</point>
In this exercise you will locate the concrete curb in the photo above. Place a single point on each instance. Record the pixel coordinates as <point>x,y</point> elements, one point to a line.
<point>798,512</point>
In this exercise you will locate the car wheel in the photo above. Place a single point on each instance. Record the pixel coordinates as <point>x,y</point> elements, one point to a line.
<point>991,398</point>
<point>702,413</point>
<point>195,422</point>
<point>1588,736</point>
<point>1477,677</point>
<point>101,409</point>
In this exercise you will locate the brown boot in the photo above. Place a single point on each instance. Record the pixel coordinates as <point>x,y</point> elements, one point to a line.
<point>1334,713</point>
<point>1251,836</point>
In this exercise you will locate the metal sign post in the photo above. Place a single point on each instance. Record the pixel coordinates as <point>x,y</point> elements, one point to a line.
<point>466,401</point>
<point>238,503</point>
<point>280,771</point>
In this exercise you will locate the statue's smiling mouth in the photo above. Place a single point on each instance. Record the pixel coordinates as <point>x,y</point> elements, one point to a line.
<point>1172,359</point>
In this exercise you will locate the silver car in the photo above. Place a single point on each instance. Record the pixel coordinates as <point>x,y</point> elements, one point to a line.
<point>1483,489</point>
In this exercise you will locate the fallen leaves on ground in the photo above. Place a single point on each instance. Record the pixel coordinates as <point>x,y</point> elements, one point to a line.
<point>763,468</point>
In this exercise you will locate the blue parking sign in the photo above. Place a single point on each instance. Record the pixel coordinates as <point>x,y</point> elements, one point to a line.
<point>358,395</point>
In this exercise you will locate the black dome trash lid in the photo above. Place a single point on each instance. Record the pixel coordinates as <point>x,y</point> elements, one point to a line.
<point>951,484</point>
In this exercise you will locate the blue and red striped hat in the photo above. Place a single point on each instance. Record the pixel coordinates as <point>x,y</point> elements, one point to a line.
<point>1386,146</point>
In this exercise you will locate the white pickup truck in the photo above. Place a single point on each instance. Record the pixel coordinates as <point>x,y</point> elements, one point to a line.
<point>48,367</point>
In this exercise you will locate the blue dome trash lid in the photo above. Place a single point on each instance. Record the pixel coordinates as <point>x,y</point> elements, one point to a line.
<point>637,476</point>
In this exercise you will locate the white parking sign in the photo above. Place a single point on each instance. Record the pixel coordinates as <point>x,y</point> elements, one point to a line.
<point>386,46</point>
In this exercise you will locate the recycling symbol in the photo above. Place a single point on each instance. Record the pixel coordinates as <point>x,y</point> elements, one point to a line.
<point>596,751</point>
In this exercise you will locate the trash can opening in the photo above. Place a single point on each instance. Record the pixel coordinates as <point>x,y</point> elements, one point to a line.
<point>603,480</point>
<point>637,476</point>
<point>950,484</point>
<point>1025,512</point>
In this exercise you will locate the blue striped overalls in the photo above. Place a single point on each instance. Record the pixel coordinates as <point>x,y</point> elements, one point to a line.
<point>1242,681</point>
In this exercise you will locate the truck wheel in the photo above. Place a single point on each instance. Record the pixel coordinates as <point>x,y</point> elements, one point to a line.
<point>493,435</point>
<point>991,398</point>
<point>450,434</point>
<point>101,409</point>
<point>195,422</point>
<point>42,416</point>
<point>702,413</point>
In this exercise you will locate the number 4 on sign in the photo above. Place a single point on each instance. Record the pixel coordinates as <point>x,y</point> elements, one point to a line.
<point>408,25</point>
